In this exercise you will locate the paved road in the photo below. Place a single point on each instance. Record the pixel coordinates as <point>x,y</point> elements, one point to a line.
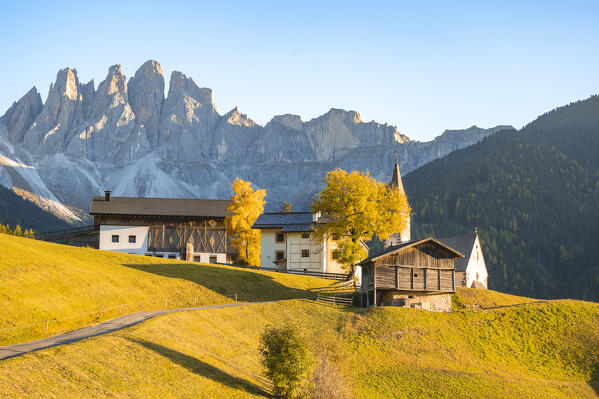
<point>99,329</point>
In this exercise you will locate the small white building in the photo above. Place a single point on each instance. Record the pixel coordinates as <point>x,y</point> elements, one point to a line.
<point>287,243</point>
<point>471,270</point>
<point>187,229</point>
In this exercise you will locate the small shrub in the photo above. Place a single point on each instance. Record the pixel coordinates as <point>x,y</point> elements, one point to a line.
<point>456,302</point>
<point>287,360</point>
<point>328,381</point>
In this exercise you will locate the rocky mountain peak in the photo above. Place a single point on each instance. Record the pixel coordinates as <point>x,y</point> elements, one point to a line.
<point>67,83</point>
<point>146,95</point>
<point>182,85</point>
<point>21,115</point>
<point>112,91</point>
<point>287,120</point>
<point>235,117</point>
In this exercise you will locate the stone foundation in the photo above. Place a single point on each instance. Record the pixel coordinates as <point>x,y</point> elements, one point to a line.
<point>425,301</point>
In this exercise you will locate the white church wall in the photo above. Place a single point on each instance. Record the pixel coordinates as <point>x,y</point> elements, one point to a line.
<point>477,269</point>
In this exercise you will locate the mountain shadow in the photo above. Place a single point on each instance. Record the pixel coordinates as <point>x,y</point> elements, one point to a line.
<point>204,369</point>
<point>249,286</point>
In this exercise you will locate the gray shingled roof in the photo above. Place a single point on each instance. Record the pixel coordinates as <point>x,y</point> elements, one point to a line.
<point>408,244</point>
<point>463,244</point>
<point>159,207</point>
<point>287,221</point>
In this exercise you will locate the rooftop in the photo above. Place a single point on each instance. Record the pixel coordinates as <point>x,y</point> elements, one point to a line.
<point>464,244</point>
<point>409,244</point>
<point>137,206</point>
<point>287,221</point>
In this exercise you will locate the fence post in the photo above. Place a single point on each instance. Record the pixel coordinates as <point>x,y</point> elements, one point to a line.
<point>47,321</point>
<point>166,303</point>
<point>235,297</point>
<point>318,296</point>
<point>195,302</point>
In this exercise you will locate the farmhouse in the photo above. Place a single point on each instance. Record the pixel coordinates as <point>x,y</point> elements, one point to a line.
<point>471,270</point>
<point>287,243</point>
<point>418,274</point>
<point>190,229</point>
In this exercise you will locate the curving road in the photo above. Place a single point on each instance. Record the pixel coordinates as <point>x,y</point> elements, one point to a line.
<point>99,329</point>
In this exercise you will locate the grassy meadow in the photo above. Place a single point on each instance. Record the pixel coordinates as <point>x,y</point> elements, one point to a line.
<point>42,281</point>
<point>523,350</point>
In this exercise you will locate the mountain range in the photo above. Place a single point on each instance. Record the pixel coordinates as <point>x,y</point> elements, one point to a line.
<point>128,137</point>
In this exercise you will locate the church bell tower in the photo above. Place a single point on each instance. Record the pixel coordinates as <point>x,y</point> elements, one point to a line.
<point>403,236</point>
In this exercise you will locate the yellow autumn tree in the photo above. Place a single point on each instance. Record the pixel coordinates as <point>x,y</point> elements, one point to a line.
<point>286,207</point>
<point>355,207</point>
<point>245,207</point>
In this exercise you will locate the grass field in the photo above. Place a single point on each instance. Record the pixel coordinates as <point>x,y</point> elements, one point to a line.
<point>42,281</point>
<point>538,350</point>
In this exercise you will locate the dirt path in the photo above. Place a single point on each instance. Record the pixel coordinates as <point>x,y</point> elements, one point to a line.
<point>99,329</point>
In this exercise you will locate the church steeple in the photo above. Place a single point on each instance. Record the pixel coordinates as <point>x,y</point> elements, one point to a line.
<point>397,184</point>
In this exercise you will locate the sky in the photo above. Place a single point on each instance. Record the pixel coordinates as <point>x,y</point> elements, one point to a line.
<point>422,66</point>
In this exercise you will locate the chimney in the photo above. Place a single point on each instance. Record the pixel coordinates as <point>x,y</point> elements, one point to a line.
<point>107,195</point>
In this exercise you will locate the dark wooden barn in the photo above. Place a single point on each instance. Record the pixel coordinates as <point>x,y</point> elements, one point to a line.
<point>416,274</point>
<point>192,229</point>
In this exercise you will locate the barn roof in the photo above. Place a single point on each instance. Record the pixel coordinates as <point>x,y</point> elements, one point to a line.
<point>137,206</point>
<point>405,245</point>
<point>464,244</point>
<point>286,221</point>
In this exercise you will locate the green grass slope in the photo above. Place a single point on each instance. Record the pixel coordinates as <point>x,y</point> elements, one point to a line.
<point>532,193</point>
<point>42,281</point>
<point>539,350</point>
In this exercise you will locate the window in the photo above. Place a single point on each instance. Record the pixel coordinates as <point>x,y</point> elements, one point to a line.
<point>115,238</point>
<point>335,254</point>
<point>148,254</point>
<point>305,253</point>
<point>280,237</point>
<point>159,255</point>
<point>172,256</point>
<point>132,239</point>
<point>305,235</point>
<point>197,259</point>
<point>335,237</point>
<point>279,255</point>
<point>213,259</point>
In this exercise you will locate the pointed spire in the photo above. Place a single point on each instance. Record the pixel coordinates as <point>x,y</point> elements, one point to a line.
<point>396,182</point>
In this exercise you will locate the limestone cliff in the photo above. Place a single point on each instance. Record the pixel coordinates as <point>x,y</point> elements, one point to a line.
<point>129,137</point>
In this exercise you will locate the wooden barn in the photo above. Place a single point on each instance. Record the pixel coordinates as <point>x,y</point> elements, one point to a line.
<point>191,229</point>
<point>418,274</point>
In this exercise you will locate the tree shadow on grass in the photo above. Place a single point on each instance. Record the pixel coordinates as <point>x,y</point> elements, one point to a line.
<point>204,369</point>
<point>249,286</point>
<point>594,382</point>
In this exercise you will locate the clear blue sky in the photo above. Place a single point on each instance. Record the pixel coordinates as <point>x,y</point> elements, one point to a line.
<point>422,66</point>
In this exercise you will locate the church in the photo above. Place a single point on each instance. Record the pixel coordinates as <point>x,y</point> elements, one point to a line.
<point>471,270</point>
<point>420,273</point>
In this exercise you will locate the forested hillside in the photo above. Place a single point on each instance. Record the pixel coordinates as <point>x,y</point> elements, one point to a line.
<point>14,210</point>
<point>534,196</point>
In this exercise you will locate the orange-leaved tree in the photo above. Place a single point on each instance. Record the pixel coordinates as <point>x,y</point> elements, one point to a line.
<point>355,207</point>
<point>245,207</point>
